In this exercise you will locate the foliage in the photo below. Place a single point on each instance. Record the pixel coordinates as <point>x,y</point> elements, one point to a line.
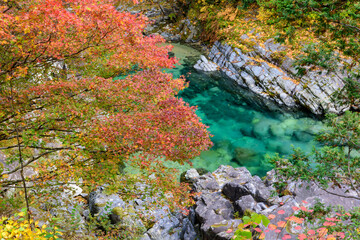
<point>250,225</point>
<point>65,117</point>
<point>332,164</point>
<point>17,227</point>
<point>302,224</point>
<point>10,202</point>
<point>335,28</point>
<point>317,222</point>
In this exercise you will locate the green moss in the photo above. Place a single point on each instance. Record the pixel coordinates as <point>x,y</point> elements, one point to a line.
<point>100,204</point>
<point>118,211</point>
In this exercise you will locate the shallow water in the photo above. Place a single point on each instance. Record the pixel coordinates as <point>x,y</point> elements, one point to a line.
<point>244,129</point>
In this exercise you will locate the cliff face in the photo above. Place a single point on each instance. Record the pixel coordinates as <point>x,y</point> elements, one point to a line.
<point>262,72</point>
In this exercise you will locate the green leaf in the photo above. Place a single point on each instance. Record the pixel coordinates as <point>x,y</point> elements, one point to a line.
<point>246,219</point>
<point>257,219</point>
<point>265,220</point>
<point>245,233</point>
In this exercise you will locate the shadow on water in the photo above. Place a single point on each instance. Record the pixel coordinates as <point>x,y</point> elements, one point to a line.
<point>244,126</point>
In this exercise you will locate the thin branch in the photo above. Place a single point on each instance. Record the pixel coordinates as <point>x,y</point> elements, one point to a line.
<point>20,157</point>
<point>336,194</point>
<point>29,162</point>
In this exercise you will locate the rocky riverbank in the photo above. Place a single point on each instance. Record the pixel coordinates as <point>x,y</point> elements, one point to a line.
<point>225,195</point>
<point>270,77</point>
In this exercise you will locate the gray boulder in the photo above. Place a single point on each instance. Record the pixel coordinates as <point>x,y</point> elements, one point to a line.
<point>101,204</point>
<point>234,191</point>
<point>212,209</point>
<point>245,203</point>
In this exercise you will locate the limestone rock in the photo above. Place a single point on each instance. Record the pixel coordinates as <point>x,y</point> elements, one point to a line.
<point>205,65</point>
<point>275,80</point>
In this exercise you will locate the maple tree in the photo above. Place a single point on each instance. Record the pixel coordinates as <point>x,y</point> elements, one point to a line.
<point>62,113</point>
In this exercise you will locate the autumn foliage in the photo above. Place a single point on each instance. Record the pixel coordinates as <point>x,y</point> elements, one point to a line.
<point>63,115</point>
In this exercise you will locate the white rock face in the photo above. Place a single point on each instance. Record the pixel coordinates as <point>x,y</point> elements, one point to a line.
<point>275,82</point>
<point>205,65</point>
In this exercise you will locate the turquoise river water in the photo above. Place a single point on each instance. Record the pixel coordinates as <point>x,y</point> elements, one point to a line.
<point>244,130</point>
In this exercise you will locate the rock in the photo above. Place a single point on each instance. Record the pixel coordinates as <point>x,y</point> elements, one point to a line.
<point>188,231</point>
<point>261,129</point>
<point>242,155</point>
<point>245,203</point>
<point>189,176</point>
<point>206,182</point>
<point>258,189</point>
<point>309,192</point>
<point>303,136</point>
<point>234,191</point>
<point>275,80</point>
<point>215,213</point>
<point>165,228</point>
<point>219,231</point>
<point>205,65</point>
<point>212,209</point>
<point>225,174</point>
<point>101,204</point>
<point>156,222</point>
<point>277,130</point>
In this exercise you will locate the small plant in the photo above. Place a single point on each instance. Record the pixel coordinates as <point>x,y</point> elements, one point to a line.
<point>8,204</point>
<point>250,227</point>
<point>318,210</point>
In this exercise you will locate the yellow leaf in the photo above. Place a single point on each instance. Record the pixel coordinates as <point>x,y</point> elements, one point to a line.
<point>5,234</point>
<point>5,175</point>
<point>21,214</point>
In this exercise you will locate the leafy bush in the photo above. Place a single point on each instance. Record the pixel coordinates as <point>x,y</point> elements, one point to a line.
<point>17,227</point>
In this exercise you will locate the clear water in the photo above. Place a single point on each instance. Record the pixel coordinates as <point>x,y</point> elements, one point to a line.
<point>244,128</point>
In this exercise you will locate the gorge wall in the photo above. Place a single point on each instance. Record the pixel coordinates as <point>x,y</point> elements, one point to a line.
<point>262,72</point>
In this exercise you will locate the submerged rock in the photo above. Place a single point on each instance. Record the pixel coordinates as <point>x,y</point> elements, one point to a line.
<point>242,155</point>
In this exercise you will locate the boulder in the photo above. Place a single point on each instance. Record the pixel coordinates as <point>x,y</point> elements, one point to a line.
<point>245,203</point>
<point>101,204</point>
<point>212,209</point>
<point>242,155</point>
<point>235,190</point>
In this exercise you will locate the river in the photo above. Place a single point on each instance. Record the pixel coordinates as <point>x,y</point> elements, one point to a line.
<point>244,129</point>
